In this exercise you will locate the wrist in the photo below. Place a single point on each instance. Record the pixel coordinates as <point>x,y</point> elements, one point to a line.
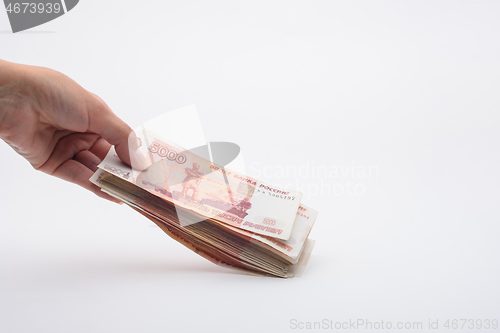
<point>14,81</point>
<point>14,94</point>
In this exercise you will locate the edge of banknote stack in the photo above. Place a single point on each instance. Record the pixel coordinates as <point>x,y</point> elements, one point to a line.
<point>208,236</point>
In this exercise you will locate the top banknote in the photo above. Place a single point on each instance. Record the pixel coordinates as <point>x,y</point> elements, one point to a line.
<point>198,184</point>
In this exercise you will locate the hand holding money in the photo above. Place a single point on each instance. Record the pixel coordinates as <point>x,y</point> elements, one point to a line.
<point>227,217</point>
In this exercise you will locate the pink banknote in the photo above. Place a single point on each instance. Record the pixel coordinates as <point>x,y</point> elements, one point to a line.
<point>193,182</point>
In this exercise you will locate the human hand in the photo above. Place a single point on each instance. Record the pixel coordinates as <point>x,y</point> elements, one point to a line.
<point>58,126</point>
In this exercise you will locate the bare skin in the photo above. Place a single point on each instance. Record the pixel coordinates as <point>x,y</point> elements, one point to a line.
<point>58,126</point>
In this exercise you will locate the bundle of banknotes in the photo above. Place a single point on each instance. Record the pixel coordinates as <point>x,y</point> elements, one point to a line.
<point>224,216</point>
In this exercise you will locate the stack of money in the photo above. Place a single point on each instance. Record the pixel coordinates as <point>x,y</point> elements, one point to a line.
<point>226,217</point>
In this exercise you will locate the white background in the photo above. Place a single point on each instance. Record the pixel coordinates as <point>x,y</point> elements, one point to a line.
<point>410,89</point>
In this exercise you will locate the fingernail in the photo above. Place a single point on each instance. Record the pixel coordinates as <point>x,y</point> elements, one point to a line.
<point>139,161</point>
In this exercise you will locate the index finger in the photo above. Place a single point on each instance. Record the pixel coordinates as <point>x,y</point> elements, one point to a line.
<point>109,126</point>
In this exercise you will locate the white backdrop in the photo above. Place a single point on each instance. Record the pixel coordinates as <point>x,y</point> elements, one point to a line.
<point>398,101</point>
